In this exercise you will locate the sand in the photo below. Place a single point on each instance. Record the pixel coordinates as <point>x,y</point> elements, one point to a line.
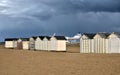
<point>23,62</point>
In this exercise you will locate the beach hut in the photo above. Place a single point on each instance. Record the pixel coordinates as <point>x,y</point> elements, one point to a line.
<point>114,43</point>
<point>19,44</point>
<point>39,43</point>
<point>57,43</point>
<point>11,42</point>
<point>32,43</point>
<point>87,43</point>
<point>46,43</point>
<point>100,43</point>
<point>25,43</point>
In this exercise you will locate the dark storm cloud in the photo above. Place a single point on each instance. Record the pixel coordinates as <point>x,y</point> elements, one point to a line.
<point>59,7</point>
<point>85,5</point>
<point>97,5</point>
<point>49,8</point>
<point>35,17</point>
<point>87,22</point>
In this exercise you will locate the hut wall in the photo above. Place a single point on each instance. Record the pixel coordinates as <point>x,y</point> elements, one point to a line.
<point>25,45</point>
<point>9,44</point>
<point>61,45</point>
<point>114,45</point>
<point>19,44</point>
<point>45,44</point>
<point>100,45</point>
<point>53,43</point>
<point>38,44</point>
<point>32,44</point>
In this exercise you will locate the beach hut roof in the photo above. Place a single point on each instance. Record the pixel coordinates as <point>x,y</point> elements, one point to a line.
<point>89,35</point>
<point>48,37</point>
<point>60,37</point>
<point>41,37</point>
<point>24,39</point>
<point>104,35</point>
<point>116,33</point>
<point>34,37</point>
<point>11,39</point>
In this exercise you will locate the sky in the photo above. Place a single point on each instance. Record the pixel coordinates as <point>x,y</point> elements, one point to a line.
<point>25,18</point>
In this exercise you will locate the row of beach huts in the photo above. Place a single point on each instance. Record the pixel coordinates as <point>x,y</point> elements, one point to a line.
<point>100,43</point>
<point>89,43</point>
<point>53,43</point>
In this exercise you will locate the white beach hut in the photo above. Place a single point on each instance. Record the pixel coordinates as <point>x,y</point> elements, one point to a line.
<point>57,43</point>
<point>46,43</point>
<point>32,43</point>
<point>25,43</point>
<point>87,43</point>
<point>39,43</point>
<point>114,43</point>
<point>100,43</point>
<point>11,42</point>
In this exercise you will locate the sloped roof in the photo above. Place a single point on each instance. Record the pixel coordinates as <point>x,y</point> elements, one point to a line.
<point>104,35</point>
<point>24,39</point>
<point>48,37</point>
<point>60,37</point>
<point>116,33</point>
<point>11,39</point>
<point>90,35</point>
<point>41,37</point>
<point>34,37</point>
<point>107,34</point>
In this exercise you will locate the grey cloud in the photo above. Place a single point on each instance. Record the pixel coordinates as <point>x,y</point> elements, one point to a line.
<point>76,6</point>
<point>35,17</point>
<point>40,7</point>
